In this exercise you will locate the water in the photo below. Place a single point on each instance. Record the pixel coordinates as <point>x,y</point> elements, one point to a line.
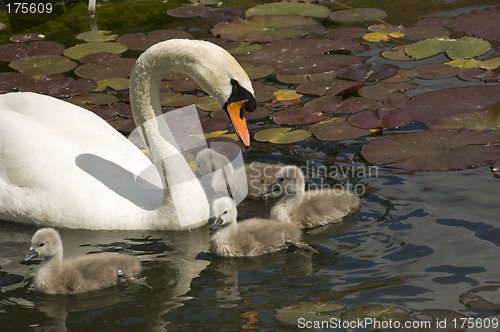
<point>419,240</point>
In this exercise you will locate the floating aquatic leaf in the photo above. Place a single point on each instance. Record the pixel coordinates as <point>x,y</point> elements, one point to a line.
<point>181,85</point>
<point>98,57</point>
<point>357,15</point>
<point>11,52</point>
<point>245,48</point>
<point>447,320</point>
<point>368,72</point>
<point>92,98</point>
<point>327,87</point>
<point>285,94</point>
<point>177,99</point>
<point>397,53</point>
<point>483,298</point>
<point>259,113</point>
<point>142,41</point>
<point>434,150</point>
<point>346,33</point>
<point>187,11</point>
<point>432,106</point>
<point>380,119</point>
<point>301,78</point>
<point>490,64</point>
<point>483,23</point>
<point>435,21</point>
<point>327,104</point>
<point>308,311</point>
<point>435,71</point>
<point>496,168</point>
<point>337,129</point>
<point>378,312</point>
<point>218,133</point>
<point>386,91</point>
<point>462,48</point>
<point>425,32</point>
<point>298,116</point>
<point>480,75</point>
<point>487,119</point>
<point>207,103</point>
<point>60,86</point>
<point>286,8</point>
<point>402,76</point>
<point>464,63</point>
<point>118,67</point>
<point>266,93</point>
<point>115,83</point>
<point>10,81</point>
<point>43,65</point>
<point>382,32</point>
<point>96,36</point>
<point>267,28</point>
<point>255,72</point>
<point>80,50</point>
<point>281,135</point>
<point>26,37</point>
<point>221,14</point>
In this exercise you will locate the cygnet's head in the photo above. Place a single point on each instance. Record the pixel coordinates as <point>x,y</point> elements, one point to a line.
<point>45,243</point>
<point>225,212</point>
<point>208,160</point>
<point>289,181</point>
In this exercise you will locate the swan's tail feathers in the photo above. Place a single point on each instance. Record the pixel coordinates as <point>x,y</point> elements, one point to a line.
<point>132,280</point>
<point>305,247</point>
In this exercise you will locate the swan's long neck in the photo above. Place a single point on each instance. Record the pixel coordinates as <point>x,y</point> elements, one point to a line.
<point>202,61</point>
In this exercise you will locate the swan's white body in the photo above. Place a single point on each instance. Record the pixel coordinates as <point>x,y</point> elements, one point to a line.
<point>61,165</point>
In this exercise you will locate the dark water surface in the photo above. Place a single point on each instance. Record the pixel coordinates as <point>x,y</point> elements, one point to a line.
<point>419,240</point>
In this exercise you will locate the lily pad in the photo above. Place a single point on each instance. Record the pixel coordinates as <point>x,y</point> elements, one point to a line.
<point>286,8</point>
<point>368,72</point>
<point>435,71</point>
<point>301,78</point>
<point>142,41</point>
<point>432,106</point>
<point>92,98</point>
<point>60,86</point>
<point>10,81</point>
<point>21,38</point>
<point>43,65</point>
<point>384,119</point>
<point>245,48</point>
<point>80,50</point>
<point>255,72</point>
<point>448,317</point>
<point>299,115</point>
<point>115,83</point>
<point>425,32</point>
<point>484,120</point>
<point>208,104</point>
<point>483,23</point>
<point>177,99</point>
<point>382,32</point>
<point>327,104</point>
<point>267,28</point>
<point>281,135</point>
<point>327,87</point>
<point>337,129</point>
<point>480,75</point>
<point>11,52</point>
<point>96,36</point>
<point>308,311</point>
<point>259,113</point>
<point>357,15</point>
<point>483,298</point>
<point>346,33</point>
<point>187,11</point>
<point>397,53</point>
<point>378,312</point>
<point>285,94</point>
<point>434,150</point>
<point>462,48</point>
<point>119,67</point>
<point>221,14</point>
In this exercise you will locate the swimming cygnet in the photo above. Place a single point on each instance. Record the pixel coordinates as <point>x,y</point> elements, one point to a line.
<point>81,274</point>
<point>250,237</point>
<point>309,208</point>
<point>254,178</point>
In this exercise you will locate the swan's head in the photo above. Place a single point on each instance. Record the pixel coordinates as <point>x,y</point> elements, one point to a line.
<point>225,213</point>
<point>45,243</point>
<point>208,161</point>
<point>289,181</point>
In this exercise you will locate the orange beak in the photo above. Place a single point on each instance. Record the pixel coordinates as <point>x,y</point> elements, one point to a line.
<point>236,112</point>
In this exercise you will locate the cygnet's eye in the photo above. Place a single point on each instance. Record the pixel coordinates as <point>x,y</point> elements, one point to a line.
<point>281,179</point>
<point>41,244</point>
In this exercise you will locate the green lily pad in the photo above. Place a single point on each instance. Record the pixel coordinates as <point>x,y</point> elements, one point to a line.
<point>281,135</point>
<point>286,8</point>
<point>255,72</point>
<point>308,311</point>
<point>425,32</point>
<point>96,36</point>
<point>245,48</point>
<point>80,50</point>
<point>207,103</point>
<point>378,312</point>
<point>92,98</point>
<point>462,48</point>
<point>177,99</point>
<point>115,83</point>
<point>337,129</point>
<point>357,15</point>
<point>483,298</point>
<point>484,120</point>
<point>434,150</point>
<point>43,65</point>
<point>397,53</point>
<point>267,28</point>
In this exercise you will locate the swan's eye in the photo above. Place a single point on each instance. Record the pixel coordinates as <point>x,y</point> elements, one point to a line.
<point>41,244</point>
<point>225,212</point>
<point>281,179</point>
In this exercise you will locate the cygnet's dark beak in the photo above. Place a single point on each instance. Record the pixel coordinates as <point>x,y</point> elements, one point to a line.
<point>216,224</point>
<point>272,188</point>
<point>30,255</point>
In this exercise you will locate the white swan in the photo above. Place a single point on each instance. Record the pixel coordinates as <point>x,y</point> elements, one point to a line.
<point>61,165</point>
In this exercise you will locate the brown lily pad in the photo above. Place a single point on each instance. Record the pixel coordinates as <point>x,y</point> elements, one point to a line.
<point>368,72</point>
<point>434,150</point>
<point>286,8</point>
<point>483,298</point>
<point>435,71</point>
<point>483,23</point>
<point>43,65</point>
<point>392,118</point>
<point>117,67</point>
<point>446,319</point>
<point>357,15</point>
<point>299,115</point>
<point>281,135</point>
<point>337,129</point>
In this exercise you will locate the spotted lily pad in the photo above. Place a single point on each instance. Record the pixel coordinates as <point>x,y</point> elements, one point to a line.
<point>285,8</point>
<point>432,106</point>
<point>337,129</point>
<point>308,311</point>
<point>483,298</point>
<point>483,23</point>
<point>484,120</point>
<point>10,81</point>
<point>80,50</point>
<point>434,150</point>
<point>11,52</point>
<point>281,135</point>
<point>43,65</point>
<point>462,48</point>
<point>392,118</point>
<point>357,15</point>
<point>266,28</point>
<point>368,72</point>
<point>299,115</point>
